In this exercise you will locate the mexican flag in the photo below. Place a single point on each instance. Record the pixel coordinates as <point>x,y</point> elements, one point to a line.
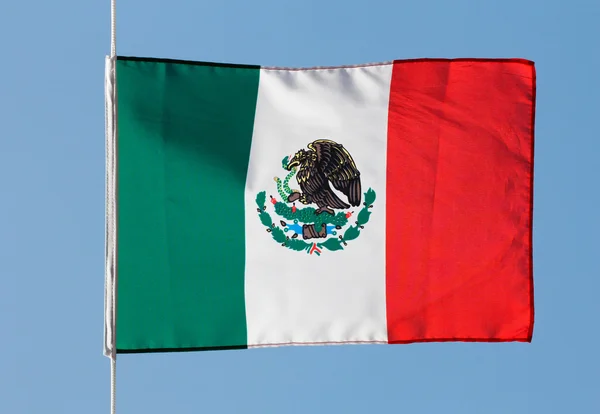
<point>253,206</point>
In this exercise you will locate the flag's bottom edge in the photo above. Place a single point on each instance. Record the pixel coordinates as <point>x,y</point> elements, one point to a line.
<point>272,345</point>
<point>182,349</point>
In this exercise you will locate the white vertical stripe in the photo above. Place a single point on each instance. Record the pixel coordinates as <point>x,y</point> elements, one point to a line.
<point>293,297</point>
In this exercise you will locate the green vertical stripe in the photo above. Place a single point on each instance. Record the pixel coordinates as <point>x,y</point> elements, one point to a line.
<point>184,134</point>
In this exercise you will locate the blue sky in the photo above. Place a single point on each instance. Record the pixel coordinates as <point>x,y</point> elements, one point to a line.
<point>52,209</point>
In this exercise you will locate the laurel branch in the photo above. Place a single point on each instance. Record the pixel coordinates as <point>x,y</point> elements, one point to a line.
<point>306,215</point>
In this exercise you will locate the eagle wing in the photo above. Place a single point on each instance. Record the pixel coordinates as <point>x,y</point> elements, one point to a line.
<point>337,165</point>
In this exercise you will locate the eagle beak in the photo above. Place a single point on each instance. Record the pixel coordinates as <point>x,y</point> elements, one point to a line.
<point>293,163</point>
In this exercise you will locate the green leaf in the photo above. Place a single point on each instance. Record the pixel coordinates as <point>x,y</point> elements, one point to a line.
<point>265,219</point>
<point>363,216</point>
<point>260,199</point>
<point>278,235</point>
<point>284,162</point>
<point>352,233</point>
<point>369,197</point>
<point>297,245</point>
<point>331,244</point>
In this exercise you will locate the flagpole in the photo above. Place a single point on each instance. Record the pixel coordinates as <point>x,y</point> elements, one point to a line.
<point>113,28</point>
<point>113,359</point>
<point>113,383</point>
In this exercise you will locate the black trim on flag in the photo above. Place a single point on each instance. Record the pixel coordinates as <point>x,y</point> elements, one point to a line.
<point>193,349</point>
<point>186,62</point>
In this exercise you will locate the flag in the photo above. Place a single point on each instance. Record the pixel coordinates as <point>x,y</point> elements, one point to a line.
<point>383,203</point>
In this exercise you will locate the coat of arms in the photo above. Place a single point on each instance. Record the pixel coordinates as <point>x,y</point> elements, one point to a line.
<point>302,227</point>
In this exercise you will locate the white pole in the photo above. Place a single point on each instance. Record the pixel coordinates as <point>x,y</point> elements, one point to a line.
<point>113,28</point>
<point>113,359</point>
<point>113,385</point>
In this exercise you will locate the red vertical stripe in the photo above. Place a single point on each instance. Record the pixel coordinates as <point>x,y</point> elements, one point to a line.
<point>459,201</point>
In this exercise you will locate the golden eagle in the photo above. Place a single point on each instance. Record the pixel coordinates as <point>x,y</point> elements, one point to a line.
<point>325,161</point>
